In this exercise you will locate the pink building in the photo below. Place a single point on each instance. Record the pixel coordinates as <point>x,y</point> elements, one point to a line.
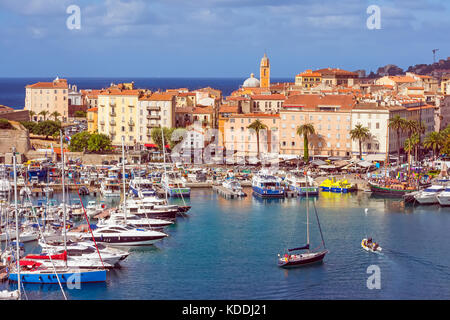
<point>48,96</point>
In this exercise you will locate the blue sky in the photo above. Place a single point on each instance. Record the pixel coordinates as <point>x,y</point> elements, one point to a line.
<point>216,38</point>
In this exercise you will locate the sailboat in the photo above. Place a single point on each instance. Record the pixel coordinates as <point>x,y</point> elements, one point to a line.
<point>289,260</point>
<point>29,271</point>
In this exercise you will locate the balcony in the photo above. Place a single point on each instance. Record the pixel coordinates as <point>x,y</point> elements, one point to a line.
<point>112,113</point>
<point>131,122</point>
<point>112,103</point>
<point>112,132</point>
<point>102,122</point>
<point>152,125</point>
<point>153,117</point>
<point>112,122</point>
<point>153,108</point>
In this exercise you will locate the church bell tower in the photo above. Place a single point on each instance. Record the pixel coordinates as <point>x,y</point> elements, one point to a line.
<point>264,72</point>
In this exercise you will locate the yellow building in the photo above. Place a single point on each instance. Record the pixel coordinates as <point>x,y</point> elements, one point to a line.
<point>264,72</point>
<point>92,118</point>
<point>308,79</point>
<point>117,115</point>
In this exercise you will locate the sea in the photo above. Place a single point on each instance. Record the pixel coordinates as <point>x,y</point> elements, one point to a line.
<point>228,249</point>
<point>12,90</point>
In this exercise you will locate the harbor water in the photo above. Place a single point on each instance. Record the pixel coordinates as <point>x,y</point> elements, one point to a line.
<point>227,249</point>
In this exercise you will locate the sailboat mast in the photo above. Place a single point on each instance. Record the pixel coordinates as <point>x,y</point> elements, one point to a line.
<point>64,192</point>
<point>17,223</point>
<point>164,159</point>
<point>123,179</point>
<point>307,212</point>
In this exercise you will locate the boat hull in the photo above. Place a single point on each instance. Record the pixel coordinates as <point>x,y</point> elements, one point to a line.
<point>64,277</point>
<point>388,191</point>
<point>268,193</point>
<point>444,200</point>
<point>293,263</point>
<point>129,241</point>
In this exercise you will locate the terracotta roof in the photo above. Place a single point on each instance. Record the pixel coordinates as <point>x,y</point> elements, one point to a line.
<point>119,92</point>
<point>57,84</point>
<point>268,97</point>
<point>402,79</point>
<point>255,115</point>
<point>157,97</point>
<point>336,71</point>
<point>313,101</point>
<point>202,110</point>
<point>415,88</point>
<point>228,109</point>
<point>309,73</point>
<point>184,109</point>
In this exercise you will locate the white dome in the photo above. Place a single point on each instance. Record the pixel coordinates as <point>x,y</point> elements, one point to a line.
<point>251,82</point>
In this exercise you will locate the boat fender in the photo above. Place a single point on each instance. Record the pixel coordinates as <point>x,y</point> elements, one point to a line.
<point>40,278</point>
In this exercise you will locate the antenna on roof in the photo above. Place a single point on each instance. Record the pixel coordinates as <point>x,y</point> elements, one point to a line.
<point>434,55</point>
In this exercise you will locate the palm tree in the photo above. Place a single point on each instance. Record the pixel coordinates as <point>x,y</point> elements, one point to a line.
<point>43,113</point>
<point>306,130</point>
<point>397,123</point>
<point>32,114</point>
<point>418,130</point>
<point>409,146</point>
<point>55,115</point>
<point>360,133</point>
<point>257,125</point>
<point>434,141</point>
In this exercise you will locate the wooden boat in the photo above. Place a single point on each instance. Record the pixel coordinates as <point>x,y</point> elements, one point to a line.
<point>394,190</point>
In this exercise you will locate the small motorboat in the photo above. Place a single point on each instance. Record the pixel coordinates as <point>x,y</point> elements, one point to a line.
<point>369,245</point>
<point>9,295</point>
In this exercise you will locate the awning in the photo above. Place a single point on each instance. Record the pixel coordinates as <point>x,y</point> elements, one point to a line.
<point>150,145</point>
<point>364,164</point>
<point>375,157</point>
<point>327,166</point>
<point>318,162</point>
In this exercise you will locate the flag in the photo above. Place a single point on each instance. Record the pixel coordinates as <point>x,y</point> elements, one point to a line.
<point>52,149</point>
<point>67,139</point>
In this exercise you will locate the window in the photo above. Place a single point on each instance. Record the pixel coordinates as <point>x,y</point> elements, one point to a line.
<point>338,145</point>
<point>293,143</point>
<point>320,144</point>
<point>377,125</point>
<point>328,144</point>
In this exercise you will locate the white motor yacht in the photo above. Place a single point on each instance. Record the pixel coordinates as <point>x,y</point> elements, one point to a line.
<point>428,196</point>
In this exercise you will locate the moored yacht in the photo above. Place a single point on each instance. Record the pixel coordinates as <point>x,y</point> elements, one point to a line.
<point>428,196</point>
<point>444,197</point>
<point>141,187</point>
<point>110,187</point>
<point>302,185</point>
<point>120,235</point>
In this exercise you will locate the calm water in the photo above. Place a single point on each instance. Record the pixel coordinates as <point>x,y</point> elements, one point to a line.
<point>227,249</point>
<point>12,90</point>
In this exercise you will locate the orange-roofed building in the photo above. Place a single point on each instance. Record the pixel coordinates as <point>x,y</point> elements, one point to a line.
<point>338,77</point>
<point>308,79</point>
<point>267,103</point>
<point>49,97</point>
<point>92,119</point>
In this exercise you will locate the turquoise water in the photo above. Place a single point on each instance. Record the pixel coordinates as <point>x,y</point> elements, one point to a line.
<point>227,249</point>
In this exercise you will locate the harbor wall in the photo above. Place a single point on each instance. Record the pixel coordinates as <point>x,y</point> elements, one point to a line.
<point>18,138</point>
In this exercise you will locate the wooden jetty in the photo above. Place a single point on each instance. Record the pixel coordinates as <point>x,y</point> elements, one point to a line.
<point>227,193</point>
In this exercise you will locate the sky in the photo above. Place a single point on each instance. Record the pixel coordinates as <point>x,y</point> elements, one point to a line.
<point>216,38</point>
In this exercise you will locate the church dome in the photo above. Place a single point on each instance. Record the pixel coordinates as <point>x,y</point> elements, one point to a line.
<point>251,82</point>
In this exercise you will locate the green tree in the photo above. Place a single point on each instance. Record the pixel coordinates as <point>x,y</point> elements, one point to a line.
<point>55,115</point>
<point>397,123</point>
<point>32,114</point>
<point>79,141</point>
<point>44,113</point>
<point>80,114</point>
<point>29,125</point>
<point>257,126</point>
<point>157,137</point>
<point>99,142</point>
<point>434,140</point>
<point>47,128</point>
<point>4,124</point>
<point>306,130</point>
<point>360,133</point>
<point>408,147</point>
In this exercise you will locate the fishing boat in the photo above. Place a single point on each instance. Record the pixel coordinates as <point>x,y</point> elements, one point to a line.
<point>444,197</point>
<point>289,260</point>
<point>429,195</point>
<point>267,186</point>
<point>369,245</point>
<point>393,190</point>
